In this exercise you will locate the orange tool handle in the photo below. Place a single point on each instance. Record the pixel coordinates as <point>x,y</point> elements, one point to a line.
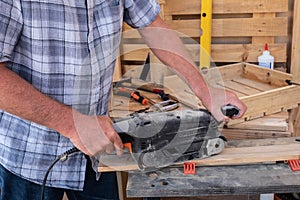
<point>139,98</point>
<point>133,94</point>
<point>128,146</point>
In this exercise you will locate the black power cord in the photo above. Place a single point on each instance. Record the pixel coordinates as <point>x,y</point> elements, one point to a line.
<point>62,158</point>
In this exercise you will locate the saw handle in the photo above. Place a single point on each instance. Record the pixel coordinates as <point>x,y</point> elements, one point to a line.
<point>230,110</point>
<point>126,139</point>
<point>128,145</point>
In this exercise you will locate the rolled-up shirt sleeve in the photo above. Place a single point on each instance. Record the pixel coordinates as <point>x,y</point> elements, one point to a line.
<point>140,13</point>
<point>11,24</point>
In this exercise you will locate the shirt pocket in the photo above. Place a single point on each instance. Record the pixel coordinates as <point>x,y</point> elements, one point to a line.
<point>109,17</point>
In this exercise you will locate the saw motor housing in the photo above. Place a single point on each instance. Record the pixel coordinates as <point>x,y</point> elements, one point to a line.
<point>160,139</point>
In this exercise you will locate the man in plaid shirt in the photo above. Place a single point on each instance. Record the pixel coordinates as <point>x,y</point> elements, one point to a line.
<point>56,63</point>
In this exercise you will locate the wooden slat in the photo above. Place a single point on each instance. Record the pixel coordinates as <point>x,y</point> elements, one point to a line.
<point>243,134</point>
<point>229,156</point>
<point>220,52</point>
<point>235,27</point>
<point>295,63</point>
<point>179,7</point>
<point>254,6</point>
<point>273,100</point>
<point>246,52</point>
<point>272,77</point>
<point>118,70</point>
<point>295,59</point>
<point>260,142</point>
<point>276,122</point>
<point>254,84</point>
<point>263,39</point>
<point>244,89</point>
<point>181,91</point>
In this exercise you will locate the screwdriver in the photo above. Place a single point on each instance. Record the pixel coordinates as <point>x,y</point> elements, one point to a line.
<point>131,94</point>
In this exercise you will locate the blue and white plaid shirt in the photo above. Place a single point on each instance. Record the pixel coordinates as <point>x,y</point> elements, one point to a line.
<point>66,49</point>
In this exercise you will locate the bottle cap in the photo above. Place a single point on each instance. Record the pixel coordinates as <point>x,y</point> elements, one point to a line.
<point>266,47</point>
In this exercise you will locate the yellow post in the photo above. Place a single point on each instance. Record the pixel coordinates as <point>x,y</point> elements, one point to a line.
<point>205,38</point>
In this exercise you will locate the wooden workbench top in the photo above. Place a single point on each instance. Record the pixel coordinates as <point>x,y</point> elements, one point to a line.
<point>217,180</point>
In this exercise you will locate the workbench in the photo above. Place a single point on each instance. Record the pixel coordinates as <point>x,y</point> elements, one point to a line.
<point>216,180</point>
<point>238,179</point>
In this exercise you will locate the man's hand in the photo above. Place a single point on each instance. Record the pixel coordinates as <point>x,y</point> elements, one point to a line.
<point>95,134</point>
<point>217,98</point>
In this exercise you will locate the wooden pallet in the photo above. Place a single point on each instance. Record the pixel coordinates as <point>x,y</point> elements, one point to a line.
<point>239,30</point>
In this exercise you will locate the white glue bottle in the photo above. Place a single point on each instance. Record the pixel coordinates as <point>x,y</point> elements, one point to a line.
<point>266,60</point>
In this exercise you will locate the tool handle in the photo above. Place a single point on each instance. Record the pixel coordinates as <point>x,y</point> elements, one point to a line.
<point>161,94</point>
<point>132,94</point>
<point>139,98</point>
<point>230,110</point>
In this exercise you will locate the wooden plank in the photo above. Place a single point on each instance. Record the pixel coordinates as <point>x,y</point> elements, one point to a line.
<point>223,73</point>
<point>263,39</point>
<point>254,84</point>
<point>260,142</point>
<point>232,27</point>
<point>229,156</point>
<point>244,134</point>
<point>246,52</point>
<point>295,63</point>
<point>249,71</point>
<point>235,27</point>
<point>272,126</point>
<point>244,89</point>
<point>273,100</point>
<point>295,59</point>
<point>162,1</point>
<point>179,7</point>
<point>247,155</point>
<point>275,122</point>
<point>181,91</point>
<point>118,70</point>
<point>220,52</point>
<point>272,77</point>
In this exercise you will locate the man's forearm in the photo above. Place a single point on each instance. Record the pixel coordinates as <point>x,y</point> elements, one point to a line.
<point>20,98</point>
<point>168,47</point>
